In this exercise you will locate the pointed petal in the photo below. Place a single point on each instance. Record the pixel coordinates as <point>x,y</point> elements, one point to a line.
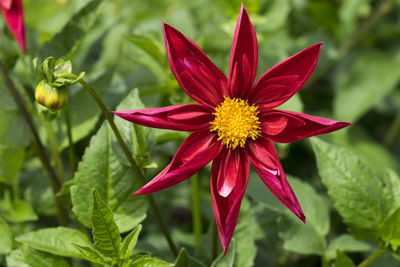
<point>294,126</point>
<point>195,152</point>
<point>228,171</point>
<point>292,73</point>
<point>14,16</point>
<point>186,117</point>
<point>193,70</point>
<point>226,209</point>
<point>244,56</point>
<point>266,163</point>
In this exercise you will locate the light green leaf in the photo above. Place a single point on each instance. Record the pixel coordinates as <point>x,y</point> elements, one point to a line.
<point>150,45</point>
<point>356,191</point>
<point>130,242</point>
<point>67,40</point>
<point>146,261</point>
<point>184,260</point>
<point>26,257</point>
<point>58,241</point>
<point>17,211</point>
<point>343,261</point>
<point>346,243</point>
<point>229,259</point>
<point>105,232</point>
<point>6,237</point>
<point>392,188</point>
<point>359,93</point>
<point>91,254</point>
<point>389,231</point>
<point>308,238</point>
<point>293,104</point>
<point>100,169</point>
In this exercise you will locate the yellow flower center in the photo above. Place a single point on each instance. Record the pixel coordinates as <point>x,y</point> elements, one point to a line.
<point>235,121</point>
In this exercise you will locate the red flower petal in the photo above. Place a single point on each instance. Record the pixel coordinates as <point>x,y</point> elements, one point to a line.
<point>244,57</point>
<point>193,70</point>
<point>291,73</point>
<point>226,209</point>
<point>186,117</point>
<point>265,161</point>
<point>14,16</point>
<point>195,152</point>
<point>228,171</point>
<point>294,126</point>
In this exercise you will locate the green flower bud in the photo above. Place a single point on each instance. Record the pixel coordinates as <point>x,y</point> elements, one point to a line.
<point>51,97</point>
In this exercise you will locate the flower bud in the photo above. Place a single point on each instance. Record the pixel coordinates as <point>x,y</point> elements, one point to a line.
<point>51,97</point>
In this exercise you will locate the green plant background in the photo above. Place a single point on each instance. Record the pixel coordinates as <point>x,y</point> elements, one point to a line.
<point>346,182</point>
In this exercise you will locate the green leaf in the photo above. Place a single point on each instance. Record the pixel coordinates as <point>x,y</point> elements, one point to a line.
<point>105,232</point>
<point>6,237</point>
<point>389,231</point>
<point>184,260</point>
<point>146,261</point>
<point>17,211</point>
<point>10,164</point>
<point>229,259</point>
<point>91,254</point>
<point>293,104</point>
<point>100,169</point>
<point>58,241</point>
<point>26,257</point>
<point>392,188</point>
<point>358,93</point>
<point>130,242</point>
<point>67,40</point>
<point>356,191</point>
<point>308,238</point>
<point>346,243</point>
<point>343,261</point>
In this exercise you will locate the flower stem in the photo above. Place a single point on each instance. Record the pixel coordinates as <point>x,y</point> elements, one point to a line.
<point>54,150</point>
<point>196,214</point>
<point>53,179</point>
<point>372,258</point>
<point>393,130</point>
<point>71,149</point>
<point>135,167</point>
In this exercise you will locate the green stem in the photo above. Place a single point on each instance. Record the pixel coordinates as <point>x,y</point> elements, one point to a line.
<point>71,149</point>
<point>54,150</point>
<point>372,258</point>
<point>196,214</point>
<point>393,130</point>
<point>132,162</point>
<point>53,179</point>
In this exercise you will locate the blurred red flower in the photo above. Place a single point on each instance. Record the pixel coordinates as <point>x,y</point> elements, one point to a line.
<point>14,16</point>
<point>234,121</point>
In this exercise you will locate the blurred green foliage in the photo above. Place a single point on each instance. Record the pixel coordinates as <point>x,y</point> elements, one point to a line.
<point>119,44</point>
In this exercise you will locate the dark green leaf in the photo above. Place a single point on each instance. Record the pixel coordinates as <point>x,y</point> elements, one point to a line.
<point>229,259</point>
<point>105,232</point>
<point>184,260</point>
<point>389,231</point>
<point>58,241</point>
<point>356,191</point>
<point>66,41</point>
<point>26,257</point>
<point>91,254</point>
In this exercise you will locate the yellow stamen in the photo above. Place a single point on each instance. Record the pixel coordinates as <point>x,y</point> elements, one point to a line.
<point>235,121</point>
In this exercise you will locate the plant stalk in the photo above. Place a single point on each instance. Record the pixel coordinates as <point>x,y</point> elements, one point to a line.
<point>196,214</point>
<point>374,256</point>
<point>71,149</point>
<point>132,162</point>
<point>54,150</point>
<point>53,179</point>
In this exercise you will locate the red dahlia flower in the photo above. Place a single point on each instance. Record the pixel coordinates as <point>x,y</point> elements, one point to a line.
<point>14,16</point>
<point>233,122</point>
